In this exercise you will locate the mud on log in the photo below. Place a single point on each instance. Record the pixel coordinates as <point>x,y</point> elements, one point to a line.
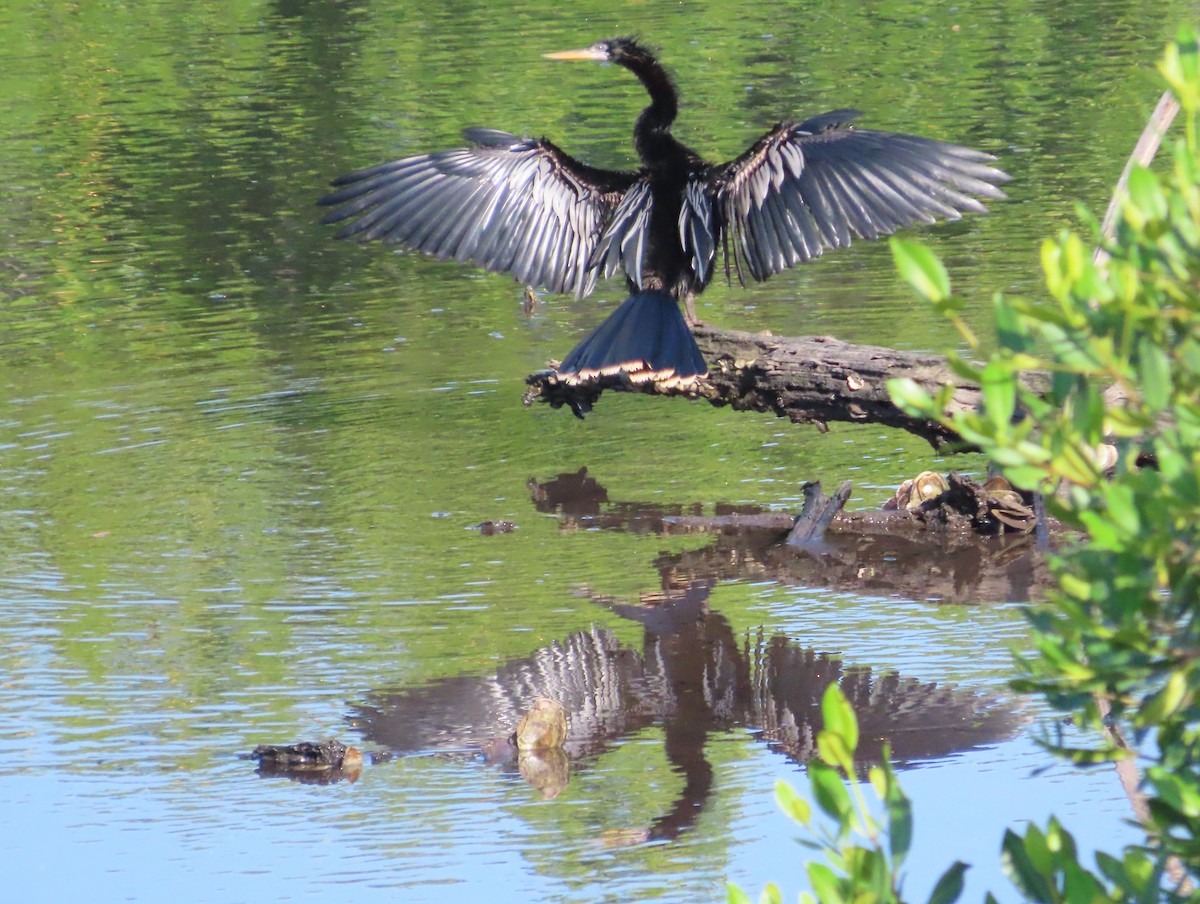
<point>808,379</point>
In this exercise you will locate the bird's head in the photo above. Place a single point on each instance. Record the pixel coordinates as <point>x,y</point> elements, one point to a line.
<point>614,50</point>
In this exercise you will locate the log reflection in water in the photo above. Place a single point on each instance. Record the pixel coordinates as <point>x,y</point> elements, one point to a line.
<point>871,553</point>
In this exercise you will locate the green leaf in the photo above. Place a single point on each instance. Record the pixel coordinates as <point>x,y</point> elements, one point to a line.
<point>824,883</point>
<point>1111,868</point>
<point>1146,192</point>
<point>838,716</point>
<point>734,895</point>
<point>1121,507</point>
<point>1025,477</point>
<point>879,781</point>
<point>770,895</point>
<point>921,269</point>
<point>829,791</point>
<point>1155,374</point>
<point>999,392</point>
<point>962,367</point>
<point>900,826</point>
<point>1188,354</point>
<point>1180,66</point>
<point>1087,413</point>
<point>1125,422</point>
<point>1081,885</point>
<point>1166,702</point>
<point>950,886</point>
<point>1019,865</point>
<point>1140,877</point>
<point>1075,465</point>
<point>1176,790</point>
<point>910,396</point>
<point>790,801</point>
<point>831,747</point>
<point>1012,329</point>
<point>1056,279</point>
<point>1088,756</point>
<point>1059,843</point>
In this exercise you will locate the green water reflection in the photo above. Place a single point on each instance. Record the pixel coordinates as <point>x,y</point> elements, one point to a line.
<point>239,461</point>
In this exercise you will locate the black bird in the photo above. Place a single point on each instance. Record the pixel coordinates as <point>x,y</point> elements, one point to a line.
<point>524,206</point>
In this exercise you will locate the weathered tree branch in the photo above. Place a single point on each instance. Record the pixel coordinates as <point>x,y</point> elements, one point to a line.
<point>808,379</point>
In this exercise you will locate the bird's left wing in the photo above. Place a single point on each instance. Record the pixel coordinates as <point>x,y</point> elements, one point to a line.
<point>510,204</point>
<point>804,188</point>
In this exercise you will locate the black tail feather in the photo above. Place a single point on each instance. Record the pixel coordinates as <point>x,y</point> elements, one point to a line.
<point>646,338</point>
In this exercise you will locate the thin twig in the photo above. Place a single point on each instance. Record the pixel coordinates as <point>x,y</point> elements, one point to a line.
<point>1131,782</point>
<point>1143,153</point>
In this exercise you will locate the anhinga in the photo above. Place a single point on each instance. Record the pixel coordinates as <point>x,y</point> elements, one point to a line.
<point>525,207</point>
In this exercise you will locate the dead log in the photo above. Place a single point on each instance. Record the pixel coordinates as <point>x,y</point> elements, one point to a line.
<point>818,513</point>
<point>807,379</point>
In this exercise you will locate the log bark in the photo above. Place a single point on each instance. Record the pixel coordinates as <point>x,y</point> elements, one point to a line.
<point>807,379</point>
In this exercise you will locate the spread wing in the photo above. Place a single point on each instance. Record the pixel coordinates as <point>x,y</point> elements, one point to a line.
<point>511,205</point>
<point>802,189</point>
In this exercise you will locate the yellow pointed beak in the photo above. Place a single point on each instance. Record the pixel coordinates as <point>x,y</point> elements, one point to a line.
<point>584,53</point>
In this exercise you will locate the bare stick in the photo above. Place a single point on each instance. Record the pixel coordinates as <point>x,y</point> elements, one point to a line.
<point>1143,153</point>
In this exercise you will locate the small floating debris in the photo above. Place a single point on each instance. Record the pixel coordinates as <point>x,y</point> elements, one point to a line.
<point>487,528</point>
<point>311,762</point>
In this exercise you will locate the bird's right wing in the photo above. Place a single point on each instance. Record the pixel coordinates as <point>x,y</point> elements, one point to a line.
<point>808,187</point>
<point>511,205</point>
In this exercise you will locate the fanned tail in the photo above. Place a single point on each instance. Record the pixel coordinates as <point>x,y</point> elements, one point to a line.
<point>645,338</point>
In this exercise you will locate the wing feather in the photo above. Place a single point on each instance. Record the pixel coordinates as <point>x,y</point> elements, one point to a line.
<point>511,205</point>
<point>805,188</point>
<point>623,244</point>
<point>697,227</point>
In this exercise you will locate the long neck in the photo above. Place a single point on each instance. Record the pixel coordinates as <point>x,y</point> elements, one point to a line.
<point>652,134</point>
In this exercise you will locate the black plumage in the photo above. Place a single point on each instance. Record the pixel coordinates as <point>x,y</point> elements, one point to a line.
<point>525,207</point>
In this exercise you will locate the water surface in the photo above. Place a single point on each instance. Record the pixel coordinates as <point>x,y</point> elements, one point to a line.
<point>240,463</point>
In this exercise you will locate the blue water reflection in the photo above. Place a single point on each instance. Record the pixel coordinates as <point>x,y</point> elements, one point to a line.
<point>241,464</point>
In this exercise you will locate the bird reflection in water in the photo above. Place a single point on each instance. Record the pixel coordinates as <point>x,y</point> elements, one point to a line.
<point>692,677</point>
<point>524,206</point>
